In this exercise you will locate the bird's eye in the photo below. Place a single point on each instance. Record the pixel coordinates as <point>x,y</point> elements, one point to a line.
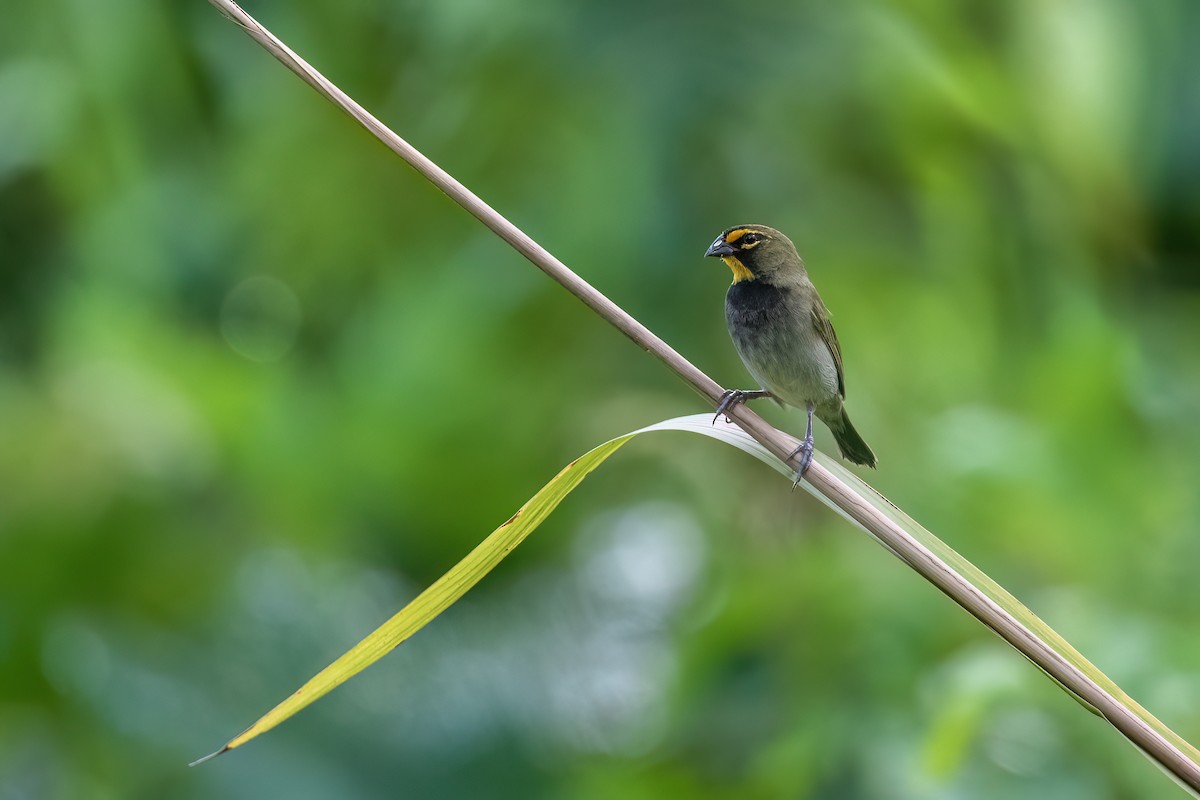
<point>751,238</point>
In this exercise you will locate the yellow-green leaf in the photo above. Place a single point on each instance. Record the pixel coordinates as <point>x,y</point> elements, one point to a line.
<point>480,561</point>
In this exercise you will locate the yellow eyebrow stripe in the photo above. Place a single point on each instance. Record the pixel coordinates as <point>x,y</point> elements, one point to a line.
<point>733,236</point>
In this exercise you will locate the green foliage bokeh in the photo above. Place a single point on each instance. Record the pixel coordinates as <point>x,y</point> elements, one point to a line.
<point>259,383</point>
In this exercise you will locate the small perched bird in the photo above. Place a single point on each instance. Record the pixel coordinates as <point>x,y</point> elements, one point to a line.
<point>782,332</point>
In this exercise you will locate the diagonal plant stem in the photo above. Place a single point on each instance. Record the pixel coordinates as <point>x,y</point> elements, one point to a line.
<point>1069,669</point>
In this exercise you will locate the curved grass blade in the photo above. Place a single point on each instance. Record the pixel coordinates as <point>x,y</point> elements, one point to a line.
<point>454,584</point>
<point>464,575</point>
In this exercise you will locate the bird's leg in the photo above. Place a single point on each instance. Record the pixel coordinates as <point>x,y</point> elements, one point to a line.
<point>805,450</point>
<point>734,396</point>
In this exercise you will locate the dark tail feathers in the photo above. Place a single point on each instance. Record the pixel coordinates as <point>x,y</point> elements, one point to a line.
<point>852,445</point>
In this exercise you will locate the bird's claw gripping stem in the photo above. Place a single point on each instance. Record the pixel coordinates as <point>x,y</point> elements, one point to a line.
<point>806,456</point>
<point>733,397</point>
<point>805,450</point>
<point>729,398</point>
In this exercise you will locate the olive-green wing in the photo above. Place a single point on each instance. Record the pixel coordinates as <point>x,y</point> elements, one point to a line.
<point>820,318</point>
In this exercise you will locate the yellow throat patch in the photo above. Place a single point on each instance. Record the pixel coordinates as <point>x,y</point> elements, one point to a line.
<point>740,273</point>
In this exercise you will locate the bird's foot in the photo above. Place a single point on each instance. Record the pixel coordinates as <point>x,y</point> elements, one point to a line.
<point>806,456</point>
<point>733,397</point>
<point>730,398</point>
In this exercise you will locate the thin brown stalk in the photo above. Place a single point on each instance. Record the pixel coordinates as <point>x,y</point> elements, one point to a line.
<point>1162,746</point>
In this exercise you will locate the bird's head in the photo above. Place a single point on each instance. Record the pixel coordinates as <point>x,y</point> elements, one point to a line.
<point>756,252</point>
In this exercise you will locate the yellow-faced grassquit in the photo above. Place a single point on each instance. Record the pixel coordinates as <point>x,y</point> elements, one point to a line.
<point>782,332</point>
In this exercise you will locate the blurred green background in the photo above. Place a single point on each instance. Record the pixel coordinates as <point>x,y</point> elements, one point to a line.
<point>259,384</point>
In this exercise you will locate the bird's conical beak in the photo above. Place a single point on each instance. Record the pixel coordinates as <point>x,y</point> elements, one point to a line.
<point>720,248</point>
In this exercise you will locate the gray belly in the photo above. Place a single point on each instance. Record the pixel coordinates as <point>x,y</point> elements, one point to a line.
<point>784,353</point>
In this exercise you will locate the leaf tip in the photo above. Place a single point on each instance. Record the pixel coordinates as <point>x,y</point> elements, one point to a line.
<point>209,757</point>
